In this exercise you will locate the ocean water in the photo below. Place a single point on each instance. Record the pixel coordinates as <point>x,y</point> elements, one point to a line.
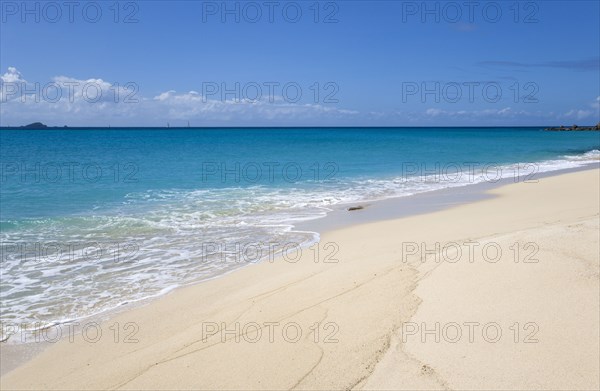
<point>93,219</point>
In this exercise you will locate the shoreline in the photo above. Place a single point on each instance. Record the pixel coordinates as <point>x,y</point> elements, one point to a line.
<point>338,218</point>
<point>421,203</point>
<point>406,276</point>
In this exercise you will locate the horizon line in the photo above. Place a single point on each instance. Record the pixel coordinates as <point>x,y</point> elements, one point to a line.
<point>271,127</point>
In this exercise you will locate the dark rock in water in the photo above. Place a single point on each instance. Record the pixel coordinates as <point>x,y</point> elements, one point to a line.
<point>575,128</point>
<point>359,207</point>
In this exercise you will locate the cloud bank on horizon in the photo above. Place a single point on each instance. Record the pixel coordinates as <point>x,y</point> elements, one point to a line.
<point>96,102</point>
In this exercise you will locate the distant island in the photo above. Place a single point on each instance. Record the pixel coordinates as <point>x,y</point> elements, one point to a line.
<point>575,128</point>
<point>35,125</point>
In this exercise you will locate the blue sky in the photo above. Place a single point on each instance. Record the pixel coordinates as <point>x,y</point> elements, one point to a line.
<point>496,63</point>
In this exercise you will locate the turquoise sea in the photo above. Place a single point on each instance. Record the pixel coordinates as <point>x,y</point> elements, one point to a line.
<point>91,219</point>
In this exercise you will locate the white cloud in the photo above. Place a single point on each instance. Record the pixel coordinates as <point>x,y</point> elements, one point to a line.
<point>506,113</point>
<point>12,76</point>
<point>434,112</point>
<point>578,114</point>
<point>488,113</point>
<point>584,114</point>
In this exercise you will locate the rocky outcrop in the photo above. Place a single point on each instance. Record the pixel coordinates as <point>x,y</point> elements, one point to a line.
<point>576,128</point>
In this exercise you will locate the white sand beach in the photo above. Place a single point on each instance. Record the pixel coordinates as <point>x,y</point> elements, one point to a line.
<point>389,310</point>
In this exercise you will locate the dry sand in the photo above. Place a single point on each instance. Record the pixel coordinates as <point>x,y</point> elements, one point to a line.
<point>376,309</point>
